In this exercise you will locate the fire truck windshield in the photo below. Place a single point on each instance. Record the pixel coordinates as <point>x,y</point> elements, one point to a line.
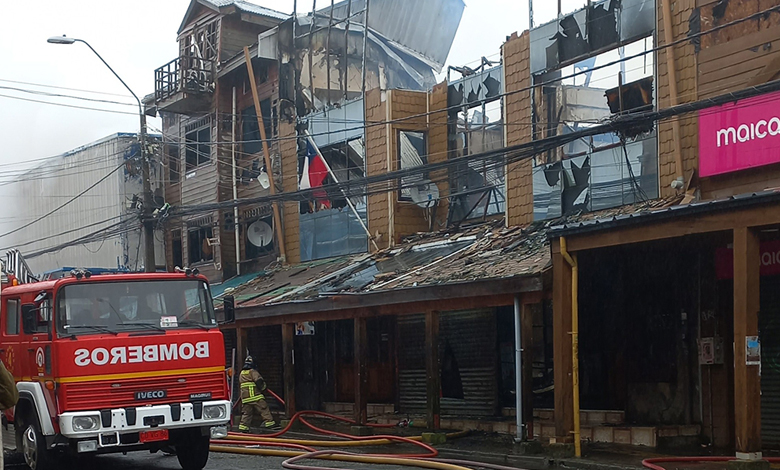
<point>100,307</point>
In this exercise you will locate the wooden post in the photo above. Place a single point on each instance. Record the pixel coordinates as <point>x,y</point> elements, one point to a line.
<point>527,332</point>
<point>242,343</point>
<point>288,335</point>
<point>562,350</point>
<point>266,155</point>
<point>432,368</point>
<point>361,372</point>
<point>747,382</point>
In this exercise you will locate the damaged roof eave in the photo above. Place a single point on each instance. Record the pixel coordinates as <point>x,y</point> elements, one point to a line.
<point>513,285</point>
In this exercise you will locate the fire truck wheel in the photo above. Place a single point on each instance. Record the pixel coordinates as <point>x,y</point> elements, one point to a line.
<point>192,450</point>
<point>36,455</point>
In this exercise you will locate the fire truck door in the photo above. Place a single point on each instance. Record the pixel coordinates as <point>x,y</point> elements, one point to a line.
<point>36,332</point>
<point>11,351</point>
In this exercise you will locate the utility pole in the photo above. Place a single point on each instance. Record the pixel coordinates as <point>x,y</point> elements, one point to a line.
<point>146,214</point>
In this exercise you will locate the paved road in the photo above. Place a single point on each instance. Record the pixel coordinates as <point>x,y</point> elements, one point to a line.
<point>158,461</point>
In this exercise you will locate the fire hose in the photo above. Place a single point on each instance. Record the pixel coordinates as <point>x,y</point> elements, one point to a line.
<point>652,463</point>
<point>249,444</point>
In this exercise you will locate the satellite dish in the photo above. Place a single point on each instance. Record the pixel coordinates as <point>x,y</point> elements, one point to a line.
<point>260,234</point>
<point>263,180</point>
<point>424,194</point>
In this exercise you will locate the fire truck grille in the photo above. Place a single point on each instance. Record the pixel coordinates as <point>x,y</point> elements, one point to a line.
<point>138,392</point>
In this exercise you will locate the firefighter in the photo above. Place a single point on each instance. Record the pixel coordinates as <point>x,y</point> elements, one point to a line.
<point>252,400</point>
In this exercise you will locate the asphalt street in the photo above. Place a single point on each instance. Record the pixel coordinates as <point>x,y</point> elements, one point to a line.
<point>217,461</point>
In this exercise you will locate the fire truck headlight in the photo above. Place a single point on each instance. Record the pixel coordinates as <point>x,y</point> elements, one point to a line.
<point>85,423</point>
<point>214,412</point>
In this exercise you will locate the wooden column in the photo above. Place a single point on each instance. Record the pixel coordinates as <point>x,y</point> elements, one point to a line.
<point>241,344</point>
<point>747,382</point>
<point>562,354</point>
<point>432,368</point>
<point>361,371</point>
<point>527,342</point>
<point>288,336</point>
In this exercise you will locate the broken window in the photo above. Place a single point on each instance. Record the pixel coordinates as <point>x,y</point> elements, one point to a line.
<point>198,143</point>
<point>201,244</point>
<point>250,132</point>
<point>605,170</point>
<point>412,152</point>
<point>328,226</point>
<point>477,127</point>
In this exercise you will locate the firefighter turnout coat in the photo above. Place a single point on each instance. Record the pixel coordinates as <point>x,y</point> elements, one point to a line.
<point>252,386</point>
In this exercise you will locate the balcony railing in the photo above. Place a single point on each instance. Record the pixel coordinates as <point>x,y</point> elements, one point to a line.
<point>186,74</point>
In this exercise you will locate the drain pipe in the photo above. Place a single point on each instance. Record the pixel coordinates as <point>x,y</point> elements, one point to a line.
<point>575,342</point>
<point>518,373</point>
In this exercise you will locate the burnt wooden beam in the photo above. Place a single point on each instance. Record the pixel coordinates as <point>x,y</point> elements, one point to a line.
<point>490,293</point>
<point>432,369</point>
<point>288,336</point>
<point>562,347</point>
<point>747,381</point>
<point>674,227</point>
<point>361,371</point>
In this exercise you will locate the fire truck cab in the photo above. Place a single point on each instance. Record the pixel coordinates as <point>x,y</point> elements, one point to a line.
<point>114,363</point>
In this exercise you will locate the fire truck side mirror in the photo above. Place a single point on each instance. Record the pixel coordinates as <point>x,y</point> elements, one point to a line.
<point>229,307</point>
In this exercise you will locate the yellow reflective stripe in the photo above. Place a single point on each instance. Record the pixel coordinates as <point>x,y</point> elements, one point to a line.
<point>252,399</point>
<point>247,385</point>
<point>137,375</point>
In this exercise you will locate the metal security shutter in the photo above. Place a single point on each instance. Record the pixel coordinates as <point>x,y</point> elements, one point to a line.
<point>769,327</point>
<point>469,337</point>
<point>265,346</point>
<point>411,363</point>
<point>472,337</point>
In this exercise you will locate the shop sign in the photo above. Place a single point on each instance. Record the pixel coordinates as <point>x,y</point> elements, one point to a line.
<point>739,135</point>
<point>769,255</point>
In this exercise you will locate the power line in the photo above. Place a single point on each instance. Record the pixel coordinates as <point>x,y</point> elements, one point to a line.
<point>56,95</point>
<point>64,204</point>
<point>67,105</point>
<point>63,88</point>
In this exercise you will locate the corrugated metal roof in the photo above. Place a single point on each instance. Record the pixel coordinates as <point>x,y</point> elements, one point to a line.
<point>409,23</point>
<point>649,213</point>
<point>248,7</point>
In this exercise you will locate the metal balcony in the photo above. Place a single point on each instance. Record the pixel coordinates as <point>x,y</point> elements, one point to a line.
<point>184,85</point>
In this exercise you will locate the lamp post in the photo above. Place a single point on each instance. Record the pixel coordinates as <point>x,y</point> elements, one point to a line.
<point>148,224</point>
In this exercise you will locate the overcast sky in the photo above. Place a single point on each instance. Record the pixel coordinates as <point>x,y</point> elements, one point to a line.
<point>135,38</point>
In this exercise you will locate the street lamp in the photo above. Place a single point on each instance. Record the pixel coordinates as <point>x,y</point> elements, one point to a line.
<point>149,261</point>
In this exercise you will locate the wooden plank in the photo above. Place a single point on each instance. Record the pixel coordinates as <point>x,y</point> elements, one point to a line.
<point>527,334</point>
<point>747,379</point>
<point>432,369</point>
<point>738,64</point>
<point>736,45</point>
<point>562,352</point>
<point>766,74</point>
<point>288,336</point>
<point>361,371</point>
<point>390,301</point>
<point>318,311</point>
<point>714,221</point>
<point>737,58</point>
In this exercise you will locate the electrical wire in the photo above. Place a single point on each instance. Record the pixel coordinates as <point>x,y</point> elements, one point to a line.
<point>64,88</point>
<point>68,105</point>
<point>64,204</point>
<point>56,95</point>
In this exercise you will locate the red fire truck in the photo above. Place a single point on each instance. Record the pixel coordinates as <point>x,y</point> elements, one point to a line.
<point>114,363</point>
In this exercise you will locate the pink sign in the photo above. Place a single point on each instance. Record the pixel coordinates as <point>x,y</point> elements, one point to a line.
<point>769,255</point>
<point>740,135</point>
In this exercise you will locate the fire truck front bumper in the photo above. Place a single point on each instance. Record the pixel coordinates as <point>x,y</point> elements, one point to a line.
<point>118,426</point>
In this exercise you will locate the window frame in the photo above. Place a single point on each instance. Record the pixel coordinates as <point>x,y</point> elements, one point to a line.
<point>18,315</point>
<point>200,149</point>
<point>399,161</point>
<point>201,231</point>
